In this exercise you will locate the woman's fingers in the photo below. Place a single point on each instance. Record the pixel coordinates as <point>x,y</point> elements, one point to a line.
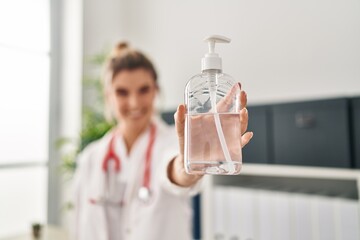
<point>243,99</point>
<point>245,139</point>
<point>179,118</point>
<point>244,119</point>
<point>226,102</point>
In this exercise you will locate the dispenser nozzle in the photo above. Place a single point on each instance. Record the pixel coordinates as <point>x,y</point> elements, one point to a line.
<point>211,46</point>
<point>215,39</point>
<point>212,59</point>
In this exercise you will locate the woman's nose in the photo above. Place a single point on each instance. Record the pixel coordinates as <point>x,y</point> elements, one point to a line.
<point>134,101</point>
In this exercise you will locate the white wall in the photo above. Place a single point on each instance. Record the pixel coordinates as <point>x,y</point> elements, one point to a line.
<point>103,25</point>
<point>281,50</point>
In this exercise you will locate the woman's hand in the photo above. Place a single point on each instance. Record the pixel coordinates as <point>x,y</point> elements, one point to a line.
<point>176,170</point>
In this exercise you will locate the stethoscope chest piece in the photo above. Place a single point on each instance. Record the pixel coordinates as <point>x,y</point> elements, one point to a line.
<point>144,194</point>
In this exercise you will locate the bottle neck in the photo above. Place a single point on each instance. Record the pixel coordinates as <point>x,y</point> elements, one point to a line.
<point>212,71</point>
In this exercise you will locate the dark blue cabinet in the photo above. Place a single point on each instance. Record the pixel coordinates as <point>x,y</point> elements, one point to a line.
<point>356,130</point>
<point>258,150</point>
<point>312,133</point>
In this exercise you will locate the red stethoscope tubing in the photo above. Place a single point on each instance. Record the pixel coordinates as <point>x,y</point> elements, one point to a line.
<point>111,155</point>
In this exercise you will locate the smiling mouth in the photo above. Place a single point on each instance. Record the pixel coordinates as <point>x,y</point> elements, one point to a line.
<point>135,114</point>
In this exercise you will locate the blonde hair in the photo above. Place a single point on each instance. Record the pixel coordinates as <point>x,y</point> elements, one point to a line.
<point>123,58</point>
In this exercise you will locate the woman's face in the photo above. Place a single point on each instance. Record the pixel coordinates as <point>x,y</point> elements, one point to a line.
<point>132,96</point>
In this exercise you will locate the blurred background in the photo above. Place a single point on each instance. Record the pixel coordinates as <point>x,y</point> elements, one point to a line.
<point>299,62</point>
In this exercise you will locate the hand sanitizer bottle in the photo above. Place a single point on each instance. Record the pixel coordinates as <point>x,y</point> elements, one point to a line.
<point>212,127</point>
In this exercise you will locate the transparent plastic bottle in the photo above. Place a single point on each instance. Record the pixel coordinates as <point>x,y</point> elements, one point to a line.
<point>213,126</point>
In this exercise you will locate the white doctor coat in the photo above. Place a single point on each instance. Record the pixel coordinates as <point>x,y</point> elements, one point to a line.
<point>167,215</point>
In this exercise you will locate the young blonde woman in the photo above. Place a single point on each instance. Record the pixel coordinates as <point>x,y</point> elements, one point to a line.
<point>131,184</point>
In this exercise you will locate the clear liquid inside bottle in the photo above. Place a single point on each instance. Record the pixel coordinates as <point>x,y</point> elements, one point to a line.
<point>205,153</point>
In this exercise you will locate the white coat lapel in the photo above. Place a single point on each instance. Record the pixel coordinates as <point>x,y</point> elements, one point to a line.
<point>96,191</point>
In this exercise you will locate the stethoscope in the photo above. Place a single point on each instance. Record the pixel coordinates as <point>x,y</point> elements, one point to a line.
<point>144,193</point>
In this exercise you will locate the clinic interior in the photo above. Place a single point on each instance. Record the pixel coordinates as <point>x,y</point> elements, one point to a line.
<point>298,61</point>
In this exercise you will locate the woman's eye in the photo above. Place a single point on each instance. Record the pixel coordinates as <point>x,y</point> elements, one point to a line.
<point>121,92</point>
<point>144,90</point>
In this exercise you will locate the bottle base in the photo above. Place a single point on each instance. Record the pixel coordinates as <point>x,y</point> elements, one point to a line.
<point>214,168</point>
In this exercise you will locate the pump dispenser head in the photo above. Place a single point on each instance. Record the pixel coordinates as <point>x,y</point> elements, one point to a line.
<point>211,60</point>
